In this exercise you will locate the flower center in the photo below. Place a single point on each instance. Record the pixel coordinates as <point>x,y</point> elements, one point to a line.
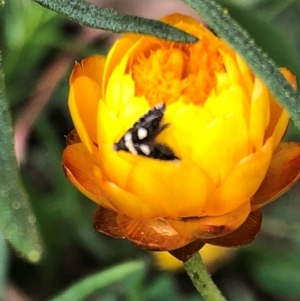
<point>172,71</point>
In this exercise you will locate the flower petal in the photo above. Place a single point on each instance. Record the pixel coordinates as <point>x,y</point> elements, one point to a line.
<point>76,73</point>
<point>279,118</point>
<point>194,133</point>
<point>233,73</point>
<point>120,88</point>
<point>246,75</point>
<point>105,221</point>
<point>115,55</point>
<point>215,152</point>
<point>154,235</point>
<point>109,128</point>
<point>186,123</point>
<point>93,67</point>
<point>233,100</point>
<point>243,182</point>
<point>128,203</point>
<point>150,181</point>
<point>189,25</point>
<point>280,128</point>
<point>79,166</point>
<point>244,235</point>
<point>212,226</point>
<point>83,102</point>
<point>176,18</point>
<point>259,113</point>
<point>283,173</point>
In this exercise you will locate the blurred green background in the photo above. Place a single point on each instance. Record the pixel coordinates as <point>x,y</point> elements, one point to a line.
<point>39,50</point>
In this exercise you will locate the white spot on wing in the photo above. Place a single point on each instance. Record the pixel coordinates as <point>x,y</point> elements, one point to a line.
<point>129,144</point>
<point>142,133</point>
<point>145,149</point>
<point>128,137</point>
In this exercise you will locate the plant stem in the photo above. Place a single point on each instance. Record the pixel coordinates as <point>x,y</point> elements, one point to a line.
<point>202,280</point>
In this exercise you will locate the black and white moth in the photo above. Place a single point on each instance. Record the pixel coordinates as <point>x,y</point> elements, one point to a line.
<point>140,138</point>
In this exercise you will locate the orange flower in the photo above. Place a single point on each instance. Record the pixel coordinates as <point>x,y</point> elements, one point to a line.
<point>178,144</point>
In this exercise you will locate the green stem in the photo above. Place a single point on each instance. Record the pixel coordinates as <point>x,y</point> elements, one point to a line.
<point>202,280</point>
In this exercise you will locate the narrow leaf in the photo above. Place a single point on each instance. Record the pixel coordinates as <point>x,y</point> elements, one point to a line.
<point>3,264</point>
<point>266,35</point>
<point>227,28</point>
<point>17,222</point>
<point>84,288</point>
<point>108,19</point>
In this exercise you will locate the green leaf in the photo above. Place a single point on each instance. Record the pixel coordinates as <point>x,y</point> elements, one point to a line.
<point>267,35</point>
<point>3,264</point>
<point>17,222</point>
<point>108,19</point>
<point>219,19</point>
<point>84,288</point>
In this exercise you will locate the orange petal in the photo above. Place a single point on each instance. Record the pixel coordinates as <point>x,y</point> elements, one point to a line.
<point>116,169</point>
<point>120,87</point>
<point>73,138</point>
<point>84,172</point>
<point>129,204</point>
<point>114,57</point>
<point>79,167</point>
<point>244,235</point>
<point>212,226</point>
<point>280,128</point>
<point>83,103</point>
<point>189,25</point>
<point>176,18</point>
<point>283,173</point>
<point>279,117</point>
<point>105,221</point>
<point>259,113</point>
<point>221,154</point>
<point>76,72</point>
<point>93,68</point>
<point>187,251</point>
<point>150,180</point>
<point>155,235</point>
<point>235,77</point>
<point>246,75</point>
<point>289,76</point>
<point>249,174</point>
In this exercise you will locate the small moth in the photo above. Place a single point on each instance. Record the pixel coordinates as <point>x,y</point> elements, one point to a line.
<point>140,138</point>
